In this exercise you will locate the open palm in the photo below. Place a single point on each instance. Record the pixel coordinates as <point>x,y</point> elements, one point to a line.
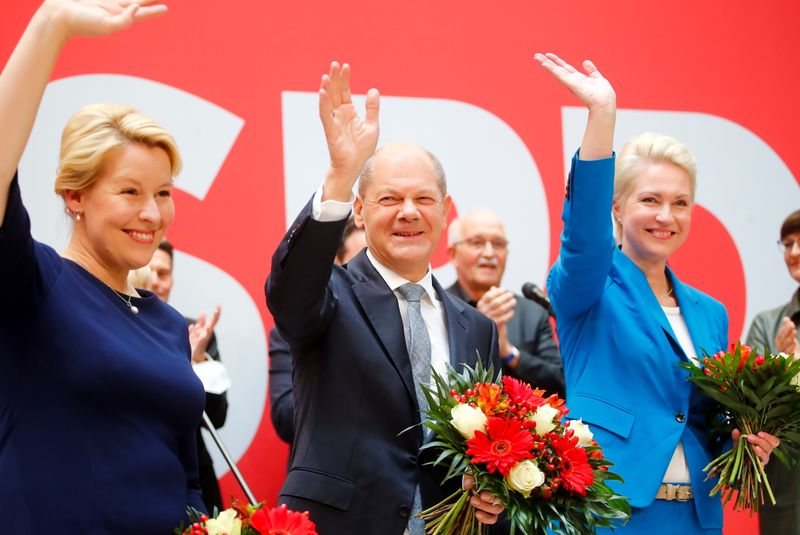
<point>351,139</point>
<point>100,17</point>
<point>589,86</point>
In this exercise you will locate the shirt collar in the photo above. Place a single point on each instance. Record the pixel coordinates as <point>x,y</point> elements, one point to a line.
<point>394,281</point>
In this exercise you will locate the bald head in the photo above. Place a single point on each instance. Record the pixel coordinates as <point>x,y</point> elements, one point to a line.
<point>470,222</point>
<point>397,155</point>
<point>478,250</point>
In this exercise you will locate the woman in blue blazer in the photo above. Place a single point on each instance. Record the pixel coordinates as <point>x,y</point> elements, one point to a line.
<point>625,320</point>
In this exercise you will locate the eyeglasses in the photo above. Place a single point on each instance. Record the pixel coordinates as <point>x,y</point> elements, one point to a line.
<point>787,245</point>
<point>479,244</point>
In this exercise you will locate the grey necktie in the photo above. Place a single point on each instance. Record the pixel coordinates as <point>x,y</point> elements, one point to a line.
<point>418,343</point>
<point>417,340</point>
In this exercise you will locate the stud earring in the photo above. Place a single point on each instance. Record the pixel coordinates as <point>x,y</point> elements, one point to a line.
<point>77,216</point>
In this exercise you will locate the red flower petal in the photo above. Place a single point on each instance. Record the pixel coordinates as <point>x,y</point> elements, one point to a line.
<point>575,471</point>
<point>504,444</point>
<point>281,521</point>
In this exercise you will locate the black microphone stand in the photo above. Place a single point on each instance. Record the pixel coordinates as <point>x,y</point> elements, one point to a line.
<point>228,459</point>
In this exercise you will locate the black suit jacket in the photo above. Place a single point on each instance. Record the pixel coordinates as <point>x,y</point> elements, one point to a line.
<point>280,387</point>
<point>355,462</point>
<point>529,330</point>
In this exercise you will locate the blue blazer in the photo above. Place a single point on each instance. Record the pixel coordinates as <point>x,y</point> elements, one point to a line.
<point>352,467</point>
<point>620,353</point>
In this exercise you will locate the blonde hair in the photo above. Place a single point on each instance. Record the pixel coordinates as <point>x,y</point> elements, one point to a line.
<point>141,278</point>
<point>650,148</point>
<point>94,131</point>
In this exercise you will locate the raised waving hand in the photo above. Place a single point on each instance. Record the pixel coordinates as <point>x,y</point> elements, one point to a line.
<point>596,93</point>
<point>100,17</point>
<point>28,70</point>
<point>351,139</point>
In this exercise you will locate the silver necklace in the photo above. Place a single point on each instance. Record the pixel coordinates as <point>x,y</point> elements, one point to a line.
<point>133,308</point>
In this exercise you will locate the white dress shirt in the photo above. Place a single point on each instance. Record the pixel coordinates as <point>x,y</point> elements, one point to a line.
<point>678,471</point>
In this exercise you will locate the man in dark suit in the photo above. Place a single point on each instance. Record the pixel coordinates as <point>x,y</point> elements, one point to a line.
<point>365,337</point>
<point>280,359</point>
<point>478,249</point>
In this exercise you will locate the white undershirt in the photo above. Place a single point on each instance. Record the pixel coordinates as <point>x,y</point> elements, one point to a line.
<point>433,313</point>
<point>678,471</point>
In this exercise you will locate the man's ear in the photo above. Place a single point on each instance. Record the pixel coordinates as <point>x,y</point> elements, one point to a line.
<point>451,253</point>
<point>358,210</point>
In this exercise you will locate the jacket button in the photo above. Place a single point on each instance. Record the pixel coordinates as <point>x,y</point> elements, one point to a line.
<point>680,417</point>
<point>404,511</point>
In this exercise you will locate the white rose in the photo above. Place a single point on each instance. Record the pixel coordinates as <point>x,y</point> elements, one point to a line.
<point>581,431</point>
<point>468,419</point>
<point>544,417</point>
<point>524,477</point>
<point>226,523</point>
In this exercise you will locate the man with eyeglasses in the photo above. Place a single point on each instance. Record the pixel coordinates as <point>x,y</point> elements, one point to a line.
<point>478,249</point>
<point>776,331</point>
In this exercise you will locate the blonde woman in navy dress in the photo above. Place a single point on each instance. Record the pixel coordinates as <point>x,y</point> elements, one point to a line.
<point>98,401</point>
<point>625,320</point>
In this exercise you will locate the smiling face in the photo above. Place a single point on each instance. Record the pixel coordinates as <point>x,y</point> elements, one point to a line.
<point>655,215</point>
<point>479,253</point>
<point>124,213</point>
<point>402,210</point>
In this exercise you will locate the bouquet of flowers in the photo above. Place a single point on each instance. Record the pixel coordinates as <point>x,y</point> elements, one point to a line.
<point>548,474</point>
<point>759,393</point>
<point>246,519</point>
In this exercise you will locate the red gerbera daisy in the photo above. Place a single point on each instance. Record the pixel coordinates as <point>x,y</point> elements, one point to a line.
<point>575,472</point>
<point>505,443</point>
<point>281,521</point>
<point>522,394</point>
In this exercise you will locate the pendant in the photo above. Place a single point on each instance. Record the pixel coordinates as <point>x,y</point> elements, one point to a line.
<point>134,309</point>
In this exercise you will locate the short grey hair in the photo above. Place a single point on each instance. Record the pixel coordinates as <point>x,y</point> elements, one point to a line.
<point>368,169</point>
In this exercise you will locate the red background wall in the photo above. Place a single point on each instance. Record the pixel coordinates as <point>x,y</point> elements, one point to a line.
<point>732,59</point>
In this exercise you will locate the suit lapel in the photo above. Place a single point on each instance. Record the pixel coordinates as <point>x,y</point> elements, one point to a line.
<point>457,327</point>
<point>693,316</point>
<point>379,305</point>
<point>650,305</point>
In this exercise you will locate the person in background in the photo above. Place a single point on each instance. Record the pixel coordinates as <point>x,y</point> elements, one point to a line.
<point>98,402</point>
<point>625,319</point>
<point>478,249</point>
<point>203,342</point>
<point>141,278</point>
<point>775,331</point>
<point>280,362</point>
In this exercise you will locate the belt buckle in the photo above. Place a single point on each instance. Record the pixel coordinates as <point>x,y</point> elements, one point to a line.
<point>670,492</point>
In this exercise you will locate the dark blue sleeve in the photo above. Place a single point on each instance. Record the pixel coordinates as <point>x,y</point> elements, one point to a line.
<point>578,276</point>
<point>298,288</point>
<point>280,387</point>
<point>26,268</point>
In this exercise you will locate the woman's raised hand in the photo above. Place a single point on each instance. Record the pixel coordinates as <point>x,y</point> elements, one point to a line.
<point>100,17</point>
<point>597,94</point>
<point>589,86</point>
